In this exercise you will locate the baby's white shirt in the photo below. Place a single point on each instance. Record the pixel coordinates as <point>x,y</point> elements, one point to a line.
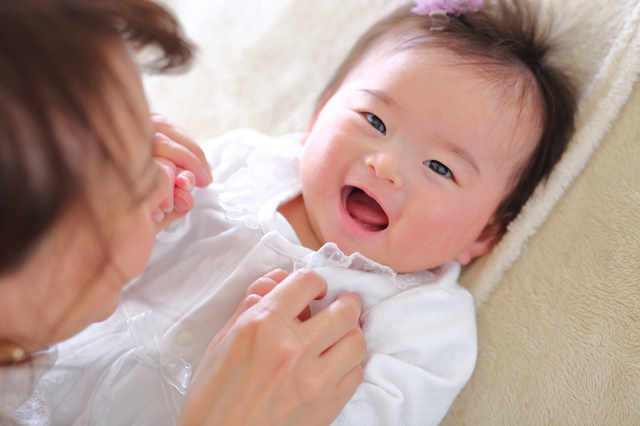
<point>419,327</point>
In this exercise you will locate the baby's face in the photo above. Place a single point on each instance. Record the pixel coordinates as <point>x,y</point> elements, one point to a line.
<point>407,162</point>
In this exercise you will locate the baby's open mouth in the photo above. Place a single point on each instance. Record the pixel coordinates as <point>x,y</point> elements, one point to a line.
<point>363,209</point>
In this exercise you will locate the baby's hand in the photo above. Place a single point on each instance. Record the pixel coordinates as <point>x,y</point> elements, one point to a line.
<point>177,185</point>
<point>183,165</point>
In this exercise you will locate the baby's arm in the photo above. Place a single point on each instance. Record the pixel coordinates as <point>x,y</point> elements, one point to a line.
<point>183,166</point>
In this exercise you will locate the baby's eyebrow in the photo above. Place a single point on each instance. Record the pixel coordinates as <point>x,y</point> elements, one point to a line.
<point>464,154</point>
<point>383,97</point>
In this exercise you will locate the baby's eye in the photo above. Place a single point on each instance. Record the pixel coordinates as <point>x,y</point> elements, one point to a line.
<point>439,168</point>
<point>376,122</point>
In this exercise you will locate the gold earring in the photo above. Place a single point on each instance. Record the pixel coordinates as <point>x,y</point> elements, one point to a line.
<point>10,353</point>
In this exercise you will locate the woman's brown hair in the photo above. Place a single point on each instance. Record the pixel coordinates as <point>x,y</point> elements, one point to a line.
<point>53,63</point>
<point>506,41</point>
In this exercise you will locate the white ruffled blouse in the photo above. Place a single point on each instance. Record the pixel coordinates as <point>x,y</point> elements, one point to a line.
<point>133,368</point>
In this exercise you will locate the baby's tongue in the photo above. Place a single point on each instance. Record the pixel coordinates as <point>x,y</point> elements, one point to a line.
<point>366,210</point>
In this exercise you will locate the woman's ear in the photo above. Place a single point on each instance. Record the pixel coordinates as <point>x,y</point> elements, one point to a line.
<point>489,237</point>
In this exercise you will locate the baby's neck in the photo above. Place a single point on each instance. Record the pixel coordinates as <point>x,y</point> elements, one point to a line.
<point>296,214</point>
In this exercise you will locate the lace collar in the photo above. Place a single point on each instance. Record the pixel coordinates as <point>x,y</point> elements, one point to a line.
<point>331,255</point>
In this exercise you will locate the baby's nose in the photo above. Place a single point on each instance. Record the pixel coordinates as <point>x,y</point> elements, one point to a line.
<point>387,166</point>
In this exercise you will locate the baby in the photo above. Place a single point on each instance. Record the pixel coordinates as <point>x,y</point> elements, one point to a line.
<point>429,139</point>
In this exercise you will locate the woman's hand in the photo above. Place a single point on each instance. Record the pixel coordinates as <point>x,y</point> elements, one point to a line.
<point>268,367</point>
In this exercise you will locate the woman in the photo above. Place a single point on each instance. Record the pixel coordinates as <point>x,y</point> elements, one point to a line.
<point>78,188</point>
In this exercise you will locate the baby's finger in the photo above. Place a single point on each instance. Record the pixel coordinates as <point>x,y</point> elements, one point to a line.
<point>182,200</point>
<point>185,180</point>
<point>183,157</point>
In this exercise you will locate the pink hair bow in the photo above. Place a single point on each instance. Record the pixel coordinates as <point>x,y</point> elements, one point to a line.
<point>452,7</point>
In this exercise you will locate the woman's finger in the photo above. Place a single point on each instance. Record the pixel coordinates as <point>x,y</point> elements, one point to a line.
<point>249,301</point>
<point>178,134</point>
<point>296,292</point>
<point>183,157</point>
<point>278,275</point>
<point>263,285</point>
<point>332,323</point>
<point>305,314</point>
<point>349,383</point>
<point>345,354</point>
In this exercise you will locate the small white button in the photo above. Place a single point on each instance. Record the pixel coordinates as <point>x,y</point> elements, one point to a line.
<point>269,257</point>
<point>185,338</point>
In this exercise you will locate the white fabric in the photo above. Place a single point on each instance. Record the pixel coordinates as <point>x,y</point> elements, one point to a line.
<point>23,397</point>
<point>420,328</point>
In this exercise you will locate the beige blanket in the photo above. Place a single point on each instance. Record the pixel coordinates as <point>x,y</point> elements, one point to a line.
<point>559,298</point>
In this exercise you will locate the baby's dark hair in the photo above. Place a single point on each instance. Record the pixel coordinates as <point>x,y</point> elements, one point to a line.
<point>506,41</point>
<point>54,66</point>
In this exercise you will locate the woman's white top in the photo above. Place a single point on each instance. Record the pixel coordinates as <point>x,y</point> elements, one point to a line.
<point>419,327</point>
<point>23,397</point>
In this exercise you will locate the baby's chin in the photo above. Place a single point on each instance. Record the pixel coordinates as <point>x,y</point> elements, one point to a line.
<point>401,263</point>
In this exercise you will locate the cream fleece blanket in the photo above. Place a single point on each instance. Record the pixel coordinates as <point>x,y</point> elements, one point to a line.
<point>559,297</point>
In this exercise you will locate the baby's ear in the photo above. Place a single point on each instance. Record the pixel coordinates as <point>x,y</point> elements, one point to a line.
<point>305,135</point>
<point>312,122</point>
<point>490,236</point>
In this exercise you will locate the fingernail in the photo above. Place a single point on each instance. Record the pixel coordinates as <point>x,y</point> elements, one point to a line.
<point>186,201</point>
<point>158,216</point>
